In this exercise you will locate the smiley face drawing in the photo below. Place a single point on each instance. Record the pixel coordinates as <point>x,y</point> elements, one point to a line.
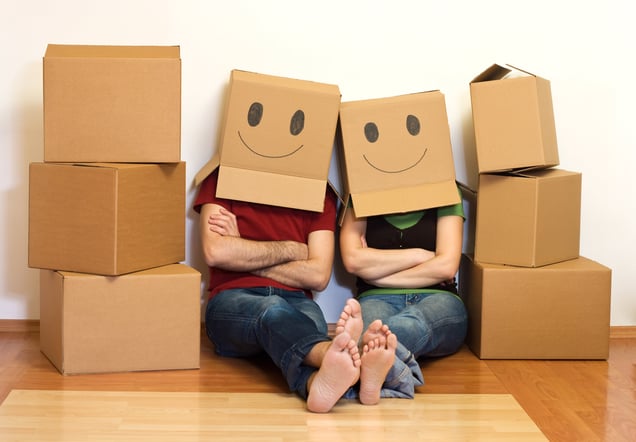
<point>399,144</point>
<point>279,125</point>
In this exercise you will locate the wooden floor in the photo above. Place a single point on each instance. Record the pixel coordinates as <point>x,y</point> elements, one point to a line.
<point>464,399</point>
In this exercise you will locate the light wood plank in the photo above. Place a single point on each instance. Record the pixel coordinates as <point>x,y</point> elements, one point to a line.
<point>41,415</point>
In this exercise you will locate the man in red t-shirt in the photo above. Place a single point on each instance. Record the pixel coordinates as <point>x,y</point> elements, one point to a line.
<point>264,262</point>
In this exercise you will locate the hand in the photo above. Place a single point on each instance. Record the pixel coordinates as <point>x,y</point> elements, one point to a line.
<point>224,223</point>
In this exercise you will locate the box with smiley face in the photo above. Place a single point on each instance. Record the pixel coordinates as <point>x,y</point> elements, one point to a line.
<point>397,154</point>
<point>277,141</point>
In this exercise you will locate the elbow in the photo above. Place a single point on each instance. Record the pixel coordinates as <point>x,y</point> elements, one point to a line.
<point>319,280</point>
<point>209,258</point>
<point>448,275</point>
<point>349,264</point>
<point>320,283</point>
<point>212,256</point>
<point>449,270</point>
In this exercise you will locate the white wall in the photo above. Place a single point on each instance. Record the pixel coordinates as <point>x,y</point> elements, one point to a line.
<point>370,49</point>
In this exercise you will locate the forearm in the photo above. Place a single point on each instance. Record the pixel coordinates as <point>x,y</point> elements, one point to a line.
<point>373,264</point>
<point>301,274</point>
<point>312,273</point>
<point>243,255</point>
<point>431,272</point>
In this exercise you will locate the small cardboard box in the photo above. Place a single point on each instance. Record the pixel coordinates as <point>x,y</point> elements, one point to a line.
<point>560,311</point>
<point>112,104</point>
<point>148,320</point>
<point>276,142</point>
<point>513,120</point>
<point>397,154</point>
<point>528,219</point>
<point>106,219</point>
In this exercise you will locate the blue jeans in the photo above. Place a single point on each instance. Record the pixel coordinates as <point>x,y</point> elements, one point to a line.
<point>427,324</point>
<point>284,324</point>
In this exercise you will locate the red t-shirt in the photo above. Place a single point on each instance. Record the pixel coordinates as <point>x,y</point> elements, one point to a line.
<point>264,223</point>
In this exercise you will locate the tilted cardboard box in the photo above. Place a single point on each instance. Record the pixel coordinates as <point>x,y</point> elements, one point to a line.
<point>148,320</point>
<point>112,104</point>
<point>397,154</point>
<point>560,311</point>
<point>528,219</point>
<point>513,120</point>
<point>106,219</point>
<point>276,142</point>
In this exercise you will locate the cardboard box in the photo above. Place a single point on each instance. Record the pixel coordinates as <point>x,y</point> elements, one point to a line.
<point>106,219</point>
<point>528,219</point>
<point>149,320</point>
<point>560,311</point>
<point>513,120</point>
<point>397,154</point>
<point>276,142</point>
<point>112,104</point>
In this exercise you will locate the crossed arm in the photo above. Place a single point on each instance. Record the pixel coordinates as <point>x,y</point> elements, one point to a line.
<point>306,266</point>
<point>402,268</point>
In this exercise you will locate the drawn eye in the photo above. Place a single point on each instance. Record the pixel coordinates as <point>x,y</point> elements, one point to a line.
<point>297,123</point>
<point>413,125</point>
<point>255,114</point>
<point>371,132</point>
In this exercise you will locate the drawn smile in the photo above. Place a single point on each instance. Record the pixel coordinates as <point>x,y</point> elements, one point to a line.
<point>398,170</point>
<point>268,156</point>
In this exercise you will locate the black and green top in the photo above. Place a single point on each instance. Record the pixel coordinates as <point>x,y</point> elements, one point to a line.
<point>406,230</point>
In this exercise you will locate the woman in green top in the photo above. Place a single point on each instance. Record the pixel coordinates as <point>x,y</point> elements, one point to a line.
<point>405,266</point>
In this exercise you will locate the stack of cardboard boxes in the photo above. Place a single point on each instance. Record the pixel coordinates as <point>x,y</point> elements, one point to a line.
<point>529,293</point>
<point>107,213</point>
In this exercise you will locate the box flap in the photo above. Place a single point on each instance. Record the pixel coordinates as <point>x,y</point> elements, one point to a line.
<point>207,169</point>
<point>103,51</point>
<point>406,199</point>
<point>271,188</point>
<point>499,72</point>
<point>541,173</point>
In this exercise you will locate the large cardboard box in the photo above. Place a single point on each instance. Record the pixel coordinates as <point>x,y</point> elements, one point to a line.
<point>528,219</point>
<point>112,104</point>
<point>513,120</point>
<point>148,320</point>
<point>276,142</point>
<point>397,154</point>
<point>106,219</point>
<point>560,311</point>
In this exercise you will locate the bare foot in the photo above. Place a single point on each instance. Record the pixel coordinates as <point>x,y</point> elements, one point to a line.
<point>377,358</point>
<point>375,330</point>
<point>340,369</point>
<point>350,320</point>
